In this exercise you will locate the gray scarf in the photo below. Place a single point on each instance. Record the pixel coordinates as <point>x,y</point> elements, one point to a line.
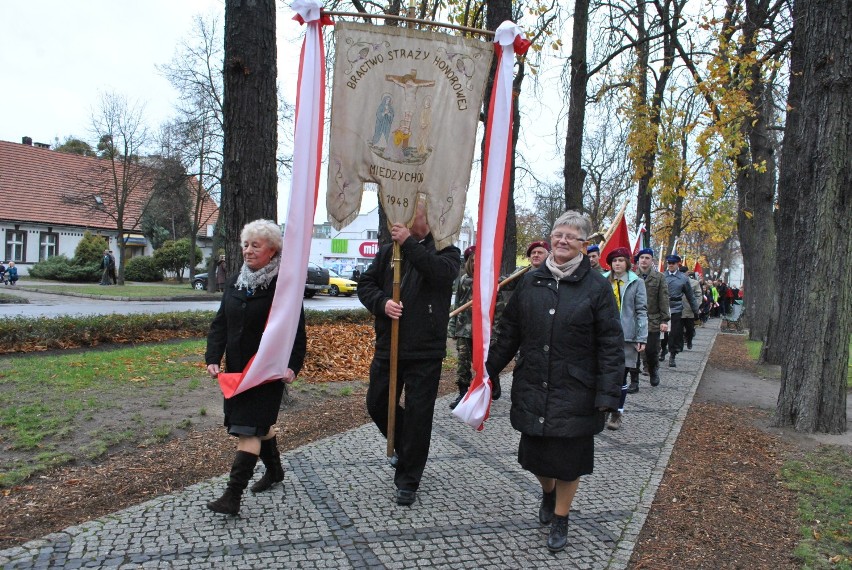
<point>260,279</point>
<point>566,269</point>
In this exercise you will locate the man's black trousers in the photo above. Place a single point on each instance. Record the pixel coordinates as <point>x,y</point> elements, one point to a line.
<point>673,340</point>
<point>413,433</point>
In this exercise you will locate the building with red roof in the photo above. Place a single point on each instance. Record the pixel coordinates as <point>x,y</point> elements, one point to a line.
<point>38,220</point>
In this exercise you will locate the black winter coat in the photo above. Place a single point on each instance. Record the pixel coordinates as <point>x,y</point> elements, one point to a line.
<point>571,359</point>
<point>235,333</point>
<point>426,289</point>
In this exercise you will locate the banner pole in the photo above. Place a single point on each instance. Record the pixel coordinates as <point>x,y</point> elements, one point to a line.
<point>394,351</point>
<point>432,23</point>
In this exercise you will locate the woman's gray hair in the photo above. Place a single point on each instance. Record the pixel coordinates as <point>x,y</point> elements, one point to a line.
<point>263,229</point>
<point>575,220</point>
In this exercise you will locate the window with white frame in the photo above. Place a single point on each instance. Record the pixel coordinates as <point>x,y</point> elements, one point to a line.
<point>48,246</point>
<point>15,245</point>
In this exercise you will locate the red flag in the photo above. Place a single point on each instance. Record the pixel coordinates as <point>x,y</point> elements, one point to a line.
<point>640,239</point>
<point>619,238</point>
<point>699,271</point>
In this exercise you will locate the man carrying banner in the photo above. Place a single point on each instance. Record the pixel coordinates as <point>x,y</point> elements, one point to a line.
<point>423,314</point>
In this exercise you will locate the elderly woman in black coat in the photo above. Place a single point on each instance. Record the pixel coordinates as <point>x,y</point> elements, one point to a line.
<point>563,321</point>
<point>235,333</point>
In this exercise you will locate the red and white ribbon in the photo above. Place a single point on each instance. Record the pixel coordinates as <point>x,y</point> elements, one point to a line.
<point>494,194</point>
<point>273,355</point>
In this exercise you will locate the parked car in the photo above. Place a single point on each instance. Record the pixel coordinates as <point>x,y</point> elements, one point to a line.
<point>317,280</point>
<point>200,282</point>
<point>338,285</point>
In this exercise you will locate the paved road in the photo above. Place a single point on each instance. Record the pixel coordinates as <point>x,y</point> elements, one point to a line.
<point>49,305</point>
<point>475,509</point>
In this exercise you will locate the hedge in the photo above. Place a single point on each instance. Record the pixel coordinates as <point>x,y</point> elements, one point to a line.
<point>21,334</point>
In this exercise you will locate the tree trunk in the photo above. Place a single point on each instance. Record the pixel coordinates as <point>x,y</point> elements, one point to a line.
<point>815,206</point>
<point>756,173</point>
<point>249,174</point>
<point>644,195</point>
<point>573,171</point>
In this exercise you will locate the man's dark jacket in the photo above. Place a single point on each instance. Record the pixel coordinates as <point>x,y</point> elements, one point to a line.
<point>679,287</point>
<point>571,360</point>
<point>236,332</point>
<point>425,292</point>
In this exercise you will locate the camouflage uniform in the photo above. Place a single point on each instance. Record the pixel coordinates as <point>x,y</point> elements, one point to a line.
<point>461,329</point>
<point>461,326</point>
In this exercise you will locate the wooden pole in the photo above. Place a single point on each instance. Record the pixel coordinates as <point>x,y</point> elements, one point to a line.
<point>394,350</point>
<point>511,277</point>
<point>427,23</point>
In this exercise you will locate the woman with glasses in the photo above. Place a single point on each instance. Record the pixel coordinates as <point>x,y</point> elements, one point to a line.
<point>563,321</point>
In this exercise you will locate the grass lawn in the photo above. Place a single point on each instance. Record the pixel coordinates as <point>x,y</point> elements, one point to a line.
<point>754,346</point>
<point>58,408</point>
<point>133,290</point>
<point>823,481</point>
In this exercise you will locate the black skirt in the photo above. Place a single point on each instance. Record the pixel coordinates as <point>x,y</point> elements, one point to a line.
<point>563,458</point>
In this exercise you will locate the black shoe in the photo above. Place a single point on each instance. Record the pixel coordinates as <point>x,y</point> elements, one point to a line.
<point>496,390</point>
<point>456,402</point>
<point>405,497</point>
<point>558,538</point>
<point>672,361</point>
<point>689,346</point>
<point>655,378</point>
<point>633,388</point>
<point>545,510</point>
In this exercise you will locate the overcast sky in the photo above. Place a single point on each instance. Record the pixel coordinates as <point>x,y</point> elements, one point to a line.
<point>59,56</point>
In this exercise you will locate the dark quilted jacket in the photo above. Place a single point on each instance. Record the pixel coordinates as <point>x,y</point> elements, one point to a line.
<point>571,360</point>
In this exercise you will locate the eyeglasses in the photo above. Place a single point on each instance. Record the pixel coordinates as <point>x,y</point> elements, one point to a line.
<point>560,237</point>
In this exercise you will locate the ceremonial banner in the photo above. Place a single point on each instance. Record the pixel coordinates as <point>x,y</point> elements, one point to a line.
<point>405,107</point>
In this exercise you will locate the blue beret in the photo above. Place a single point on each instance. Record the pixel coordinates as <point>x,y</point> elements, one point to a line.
<point>672,258</point>
<point>645,250</point>
<point>592,248</point>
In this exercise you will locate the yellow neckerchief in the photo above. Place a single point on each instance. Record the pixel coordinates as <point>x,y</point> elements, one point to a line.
<point>616,289</point>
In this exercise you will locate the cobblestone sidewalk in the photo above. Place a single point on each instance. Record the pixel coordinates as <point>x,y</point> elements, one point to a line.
<point>337,509</point>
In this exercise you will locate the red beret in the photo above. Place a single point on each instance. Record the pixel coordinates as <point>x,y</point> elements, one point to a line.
<point>536,244</point>
<point>618,252</point>
<point>469,251</point>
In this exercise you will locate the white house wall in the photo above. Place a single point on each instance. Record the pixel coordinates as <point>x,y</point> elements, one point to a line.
<point>69,239</point>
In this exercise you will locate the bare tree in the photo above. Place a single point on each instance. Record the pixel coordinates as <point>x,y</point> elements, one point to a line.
<point>118,184</point>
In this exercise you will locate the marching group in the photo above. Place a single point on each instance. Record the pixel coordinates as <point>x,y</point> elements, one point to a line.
<point>577,336</point>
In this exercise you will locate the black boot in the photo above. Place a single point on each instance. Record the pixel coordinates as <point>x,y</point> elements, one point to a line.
<point>672,361</point>
<point>655,377</point>
<point>241,472</point>
<point>558,538</point>
<point>462,392</point>
<point>545,510</point>
<point>634,381</point>
<point>272,460</point>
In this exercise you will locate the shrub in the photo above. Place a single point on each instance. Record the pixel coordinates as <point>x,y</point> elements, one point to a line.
<point>142,268</point>
<point>90,250</point>
<point>21,334</point>
<point>60,268</point>
<point>173,256</point>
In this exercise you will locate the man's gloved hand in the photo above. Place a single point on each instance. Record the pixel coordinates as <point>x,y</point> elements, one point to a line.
<point>495,388</point>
